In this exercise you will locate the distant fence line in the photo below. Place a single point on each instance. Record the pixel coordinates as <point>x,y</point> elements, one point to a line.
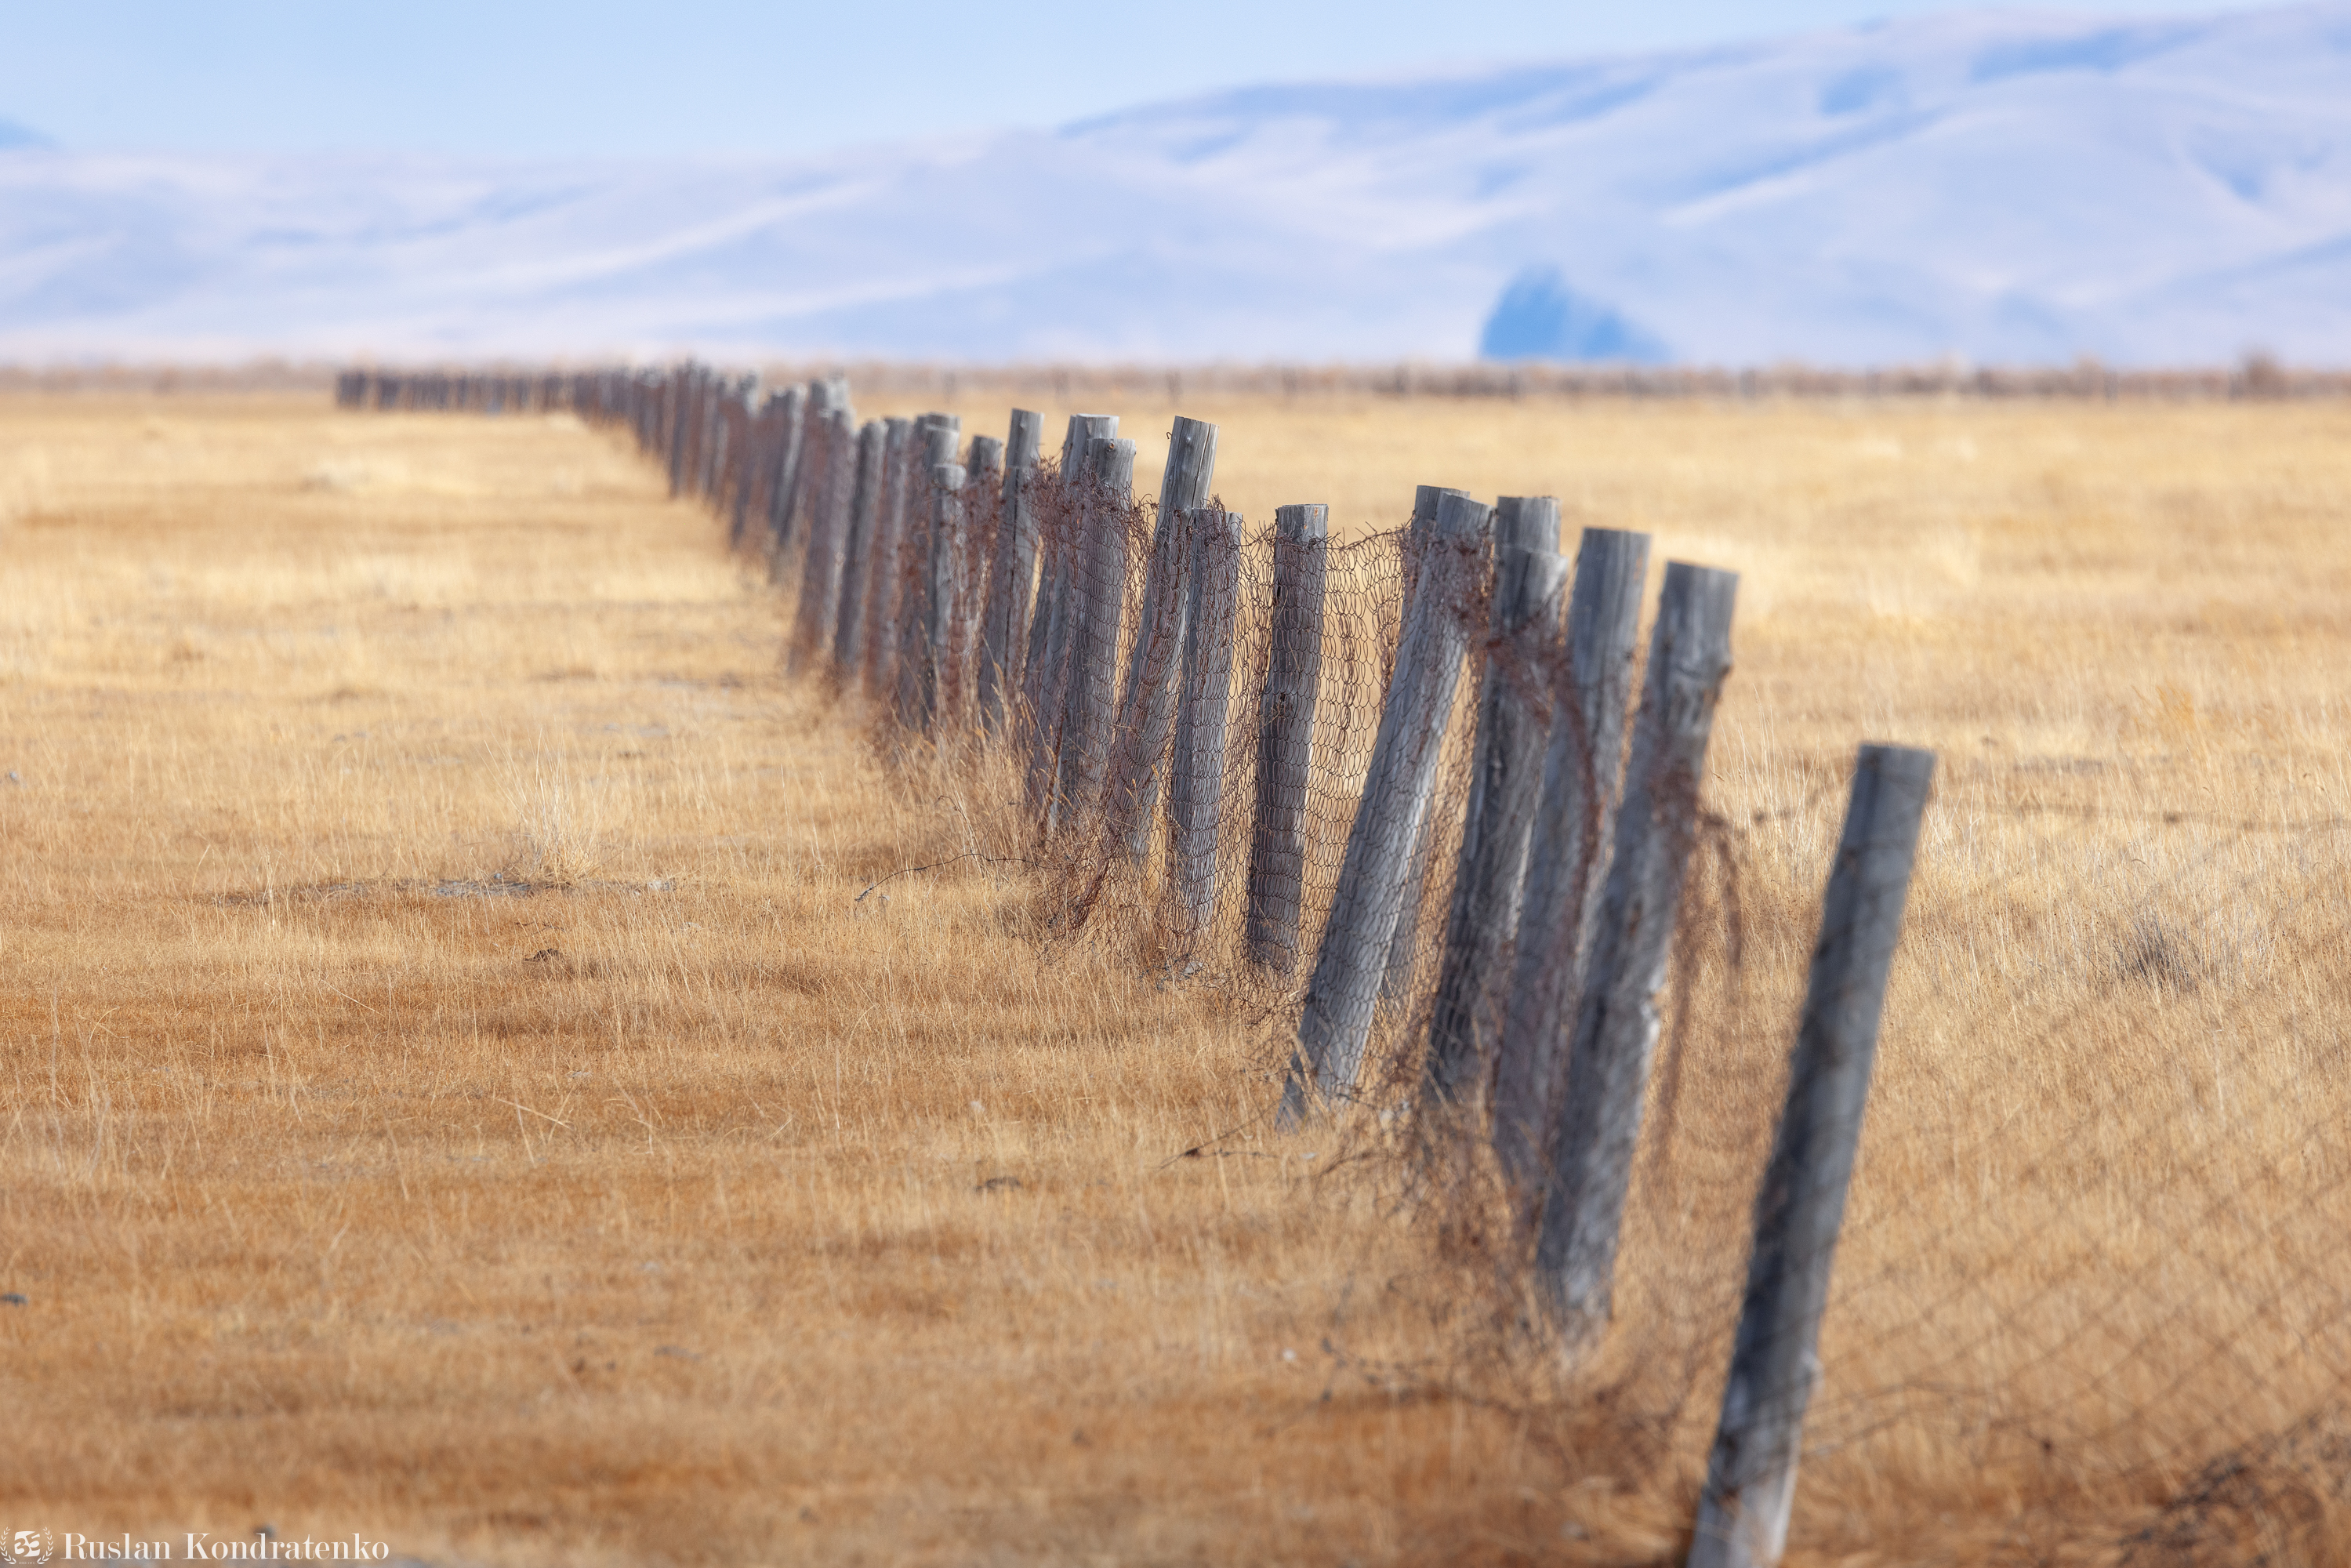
<point>1416,794</point>
<point>2255,379</point>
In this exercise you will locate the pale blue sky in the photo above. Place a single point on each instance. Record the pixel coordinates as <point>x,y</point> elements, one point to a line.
<point>601,78</point>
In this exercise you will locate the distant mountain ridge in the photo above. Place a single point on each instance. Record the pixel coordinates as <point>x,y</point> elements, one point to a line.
<point>1996,186</point>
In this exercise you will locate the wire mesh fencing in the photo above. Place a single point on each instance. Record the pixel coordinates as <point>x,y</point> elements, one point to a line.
<point>2089,1288</point>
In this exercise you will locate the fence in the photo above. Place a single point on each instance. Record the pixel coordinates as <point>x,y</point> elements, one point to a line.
<point>2256,379</point>
<point>1385,790</point>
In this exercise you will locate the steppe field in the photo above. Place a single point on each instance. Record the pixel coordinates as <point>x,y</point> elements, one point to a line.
<point>459,1090</point>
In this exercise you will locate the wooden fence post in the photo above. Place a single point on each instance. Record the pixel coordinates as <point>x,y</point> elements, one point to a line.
<point>758,463</point>
<point>1340,998</point>
<point>1285,735</point>
<point>1100,592</point>
<point>983,467</point>
<point>1584,774</point>
<point>1011,565</point>
<point>1196,776</point>
<point>876,656</point>
<point>1147,707</point>
<point>945,585</point>
<point>1047,678</point>
<point>934,445</point>
<point>828,544</point>
<point>792,442</point>
<point>1598,1120</point>
<point>727,489</point>
<point>857,557</point>
<point>1505,786</point>
<point>807,470</point>
<point>726,402</point>
<point>1404,948</point>
<point>700,433</point>
<point>1750,1479</point>
<point>681,384</point>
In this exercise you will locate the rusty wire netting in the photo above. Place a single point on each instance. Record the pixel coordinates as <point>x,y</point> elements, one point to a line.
<point>2092,1279</point>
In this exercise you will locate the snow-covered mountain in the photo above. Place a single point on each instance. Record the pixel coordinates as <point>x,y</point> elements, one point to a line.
<point>2001,186</point>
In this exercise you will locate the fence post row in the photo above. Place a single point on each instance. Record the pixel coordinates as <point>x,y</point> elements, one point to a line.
<point>1285,736</point>
<point>1751,1481</point>
<point>1574,823</point>
<point>1514,708</point>
<point>1598,1117</point>
<point>1336,1023</point>
<point>916,577</point>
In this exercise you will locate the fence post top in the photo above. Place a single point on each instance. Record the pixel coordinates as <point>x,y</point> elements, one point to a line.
<point>1531,521</point>
<point>947,476</point>
<point>1425,501</point>
<point>1685,578</point>
<point>1459,518</point>
<point>1901,766</point>
<point>1607,538</point>
<point>1305,520</point>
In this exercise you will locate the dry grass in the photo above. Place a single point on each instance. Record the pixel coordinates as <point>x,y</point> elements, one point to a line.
<point>454,1093</point>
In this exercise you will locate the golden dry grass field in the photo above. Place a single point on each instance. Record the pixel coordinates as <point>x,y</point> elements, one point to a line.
<point>454,1093</point>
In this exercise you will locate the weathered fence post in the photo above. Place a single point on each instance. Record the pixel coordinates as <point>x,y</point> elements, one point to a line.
<point>829,506</point>
<point>759,469</point>
<point>1047,679</point>
<point>1285,735</point>
<point>1003,639</point>
<point>1404,948</point>
<point>681,384</point>
<point>934,440</point>
<point>1505,786</point>
<point>1583,779</point>
<point>791,445</point>
<point>1196,772</point>
<point>1147,707</point>
<point>857,558</point>
<point>1598,1117</point>
<point>1100,592</point>
<point>1750,1479</point>
<point>880,620</point>
<point>1340,998</point>
<point>983,467</point>
<point>945,584</point>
